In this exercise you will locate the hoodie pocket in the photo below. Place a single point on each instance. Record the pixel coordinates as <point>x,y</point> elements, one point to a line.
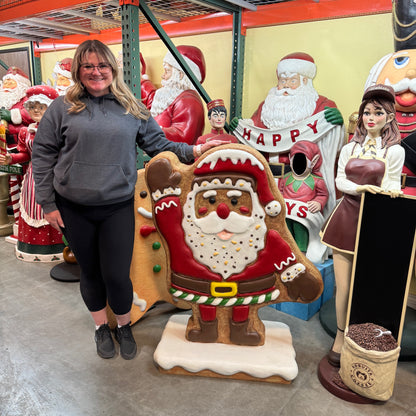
<point>93,182</point>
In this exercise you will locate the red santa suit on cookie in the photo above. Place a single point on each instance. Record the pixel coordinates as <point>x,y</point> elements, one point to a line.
<point>222,252</point>
<point>176,106</point>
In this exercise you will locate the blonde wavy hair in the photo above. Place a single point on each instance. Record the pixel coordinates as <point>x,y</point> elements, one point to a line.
<point>118,87</point>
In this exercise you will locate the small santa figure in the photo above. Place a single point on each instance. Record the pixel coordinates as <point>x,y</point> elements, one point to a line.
<point>228,247</point>
<point>62,75</point>
<point>292,111</point>
<point>217,115</point>
<point>176,106</point>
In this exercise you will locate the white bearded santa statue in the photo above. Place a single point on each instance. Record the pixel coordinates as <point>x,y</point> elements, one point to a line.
<point>62,75</point>
<point>12,97</point>
<point>294,111</point>
<point>176,106</point>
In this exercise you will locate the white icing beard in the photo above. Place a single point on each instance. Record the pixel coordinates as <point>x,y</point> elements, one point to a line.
<point>226,246</point>
<point>281,110</point>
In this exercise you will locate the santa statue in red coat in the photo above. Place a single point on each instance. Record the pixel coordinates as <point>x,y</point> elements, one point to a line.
<point>176,106</point>
<point>294,111</point>
<point>12,97</point>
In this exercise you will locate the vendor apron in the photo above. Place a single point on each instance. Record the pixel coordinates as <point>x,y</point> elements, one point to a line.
<point>341,228</point>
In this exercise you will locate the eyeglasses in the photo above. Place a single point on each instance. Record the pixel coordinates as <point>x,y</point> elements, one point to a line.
<point>36,107</point>
<point>103,68</point>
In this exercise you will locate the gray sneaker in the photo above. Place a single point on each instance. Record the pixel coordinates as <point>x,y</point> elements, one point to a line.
<point>124,337</point>
<point>104,341</point>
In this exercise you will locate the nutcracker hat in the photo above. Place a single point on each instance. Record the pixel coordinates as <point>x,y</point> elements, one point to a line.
<point>63,68</point>
<point>297,63</point>
<point>18,75</point>
<point>380,91</point>
<point>215,103</point>
<point>237,163</point>
<point>43,94</point>
<point>193,56</point>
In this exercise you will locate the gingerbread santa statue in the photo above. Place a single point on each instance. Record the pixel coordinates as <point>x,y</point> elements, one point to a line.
<point>223,221</point>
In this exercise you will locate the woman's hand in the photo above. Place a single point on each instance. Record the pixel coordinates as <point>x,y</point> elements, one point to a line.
<point>5,159</point>
<point>373,189</point>
<point>202,148</point>
<point>55,220</point>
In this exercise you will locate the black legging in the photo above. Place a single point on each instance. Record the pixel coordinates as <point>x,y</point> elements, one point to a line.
<point>101,238</point>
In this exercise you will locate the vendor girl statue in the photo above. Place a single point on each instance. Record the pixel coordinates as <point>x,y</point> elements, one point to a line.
<point>371,162</point>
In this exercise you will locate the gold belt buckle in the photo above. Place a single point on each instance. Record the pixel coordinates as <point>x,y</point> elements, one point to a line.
<point>219,289</point>
<point>282,169</point>
<point>404,176</point>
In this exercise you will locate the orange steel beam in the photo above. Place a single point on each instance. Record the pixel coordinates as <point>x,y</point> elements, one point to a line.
<point>307,10</point>
<point>28,9</point>
<point>270,15</point>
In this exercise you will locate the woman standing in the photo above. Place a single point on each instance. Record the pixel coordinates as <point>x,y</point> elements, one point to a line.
<point>371,162</point>
<point>84,164</point>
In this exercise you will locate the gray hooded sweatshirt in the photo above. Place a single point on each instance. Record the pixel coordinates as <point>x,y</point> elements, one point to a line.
<point>90,157</point>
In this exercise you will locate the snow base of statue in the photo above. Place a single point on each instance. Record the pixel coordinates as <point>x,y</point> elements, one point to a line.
<point>273,362</point>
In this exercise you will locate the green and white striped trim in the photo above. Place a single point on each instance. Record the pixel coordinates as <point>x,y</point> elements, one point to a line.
<point>218,301</point>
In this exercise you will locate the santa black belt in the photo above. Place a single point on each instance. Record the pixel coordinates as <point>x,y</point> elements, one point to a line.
<point>279,169</point>
<point>409,181</point>
<point>223,288</point>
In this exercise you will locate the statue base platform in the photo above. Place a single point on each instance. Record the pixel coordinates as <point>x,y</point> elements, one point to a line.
<point>328,320</point>
<point>273,362</point>
<point>6,229</point>
<point>329,377</point>
<point>66,272</point>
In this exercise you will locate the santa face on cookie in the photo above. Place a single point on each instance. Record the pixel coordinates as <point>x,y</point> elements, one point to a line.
<point>224,223</point>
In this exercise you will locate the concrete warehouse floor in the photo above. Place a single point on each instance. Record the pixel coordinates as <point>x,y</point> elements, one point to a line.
<point>49,365</point>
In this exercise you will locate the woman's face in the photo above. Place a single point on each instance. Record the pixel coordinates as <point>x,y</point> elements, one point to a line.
<point>96,75</point>
<point>374,119</point>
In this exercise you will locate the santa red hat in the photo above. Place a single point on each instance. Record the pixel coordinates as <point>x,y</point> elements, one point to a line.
<point>18,75</point>
<point>193,56</point>
<point>240,162</point>
<point>63,67</point>
<point>43,94</point>
<point>297,63</point>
